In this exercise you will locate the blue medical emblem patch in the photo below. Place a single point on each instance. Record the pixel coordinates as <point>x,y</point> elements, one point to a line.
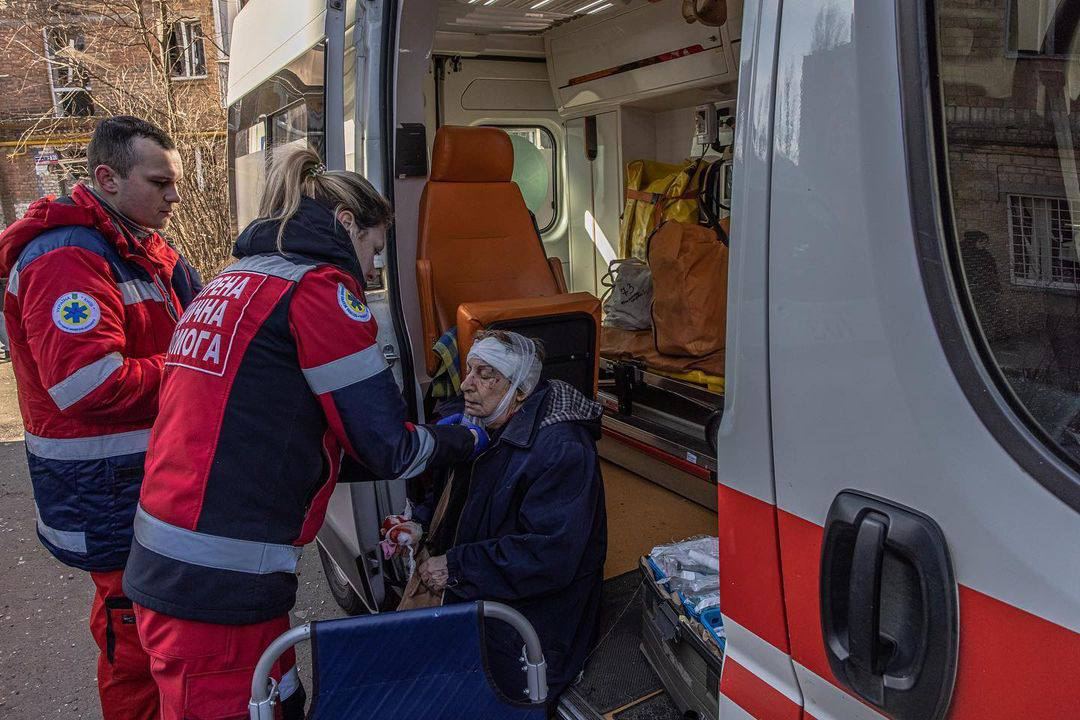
<point>76,312</point>
<point>353,307</point>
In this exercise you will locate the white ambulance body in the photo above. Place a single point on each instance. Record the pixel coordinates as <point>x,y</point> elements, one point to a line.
<point>894,475</point>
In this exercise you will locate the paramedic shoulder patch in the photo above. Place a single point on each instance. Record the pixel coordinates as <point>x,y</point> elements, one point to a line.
<point>351,304</point>
<point>76,312</point>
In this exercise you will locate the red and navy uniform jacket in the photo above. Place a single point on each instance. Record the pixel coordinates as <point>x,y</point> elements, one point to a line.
<point>273,374</point>
<point>89,310</point>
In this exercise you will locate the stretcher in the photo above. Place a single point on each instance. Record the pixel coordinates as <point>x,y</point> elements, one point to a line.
<point>671,417</point>
<point>425,663</point>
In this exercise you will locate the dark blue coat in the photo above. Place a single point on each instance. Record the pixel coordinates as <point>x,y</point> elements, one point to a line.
<point>533,533</point>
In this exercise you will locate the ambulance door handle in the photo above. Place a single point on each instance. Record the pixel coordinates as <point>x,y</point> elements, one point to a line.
<point>889,606</point>
<point>864,608</point>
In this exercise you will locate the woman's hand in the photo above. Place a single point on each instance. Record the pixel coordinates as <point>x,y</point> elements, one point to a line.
<point>480,436</point>
<point>434,573</point>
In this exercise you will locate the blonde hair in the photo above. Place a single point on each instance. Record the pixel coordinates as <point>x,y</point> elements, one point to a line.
<point>298,172</point>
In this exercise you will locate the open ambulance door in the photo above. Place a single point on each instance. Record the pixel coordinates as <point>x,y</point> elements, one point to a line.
<point>758,679</point>
<point>922,402</point>
<point>312,73</point>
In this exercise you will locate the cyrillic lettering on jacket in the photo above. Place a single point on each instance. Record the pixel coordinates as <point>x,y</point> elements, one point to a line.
<point>204,337</point>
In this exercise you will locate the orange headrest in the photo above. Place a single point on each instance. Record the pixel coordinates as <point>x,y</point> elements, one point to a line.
<point>472,154</point>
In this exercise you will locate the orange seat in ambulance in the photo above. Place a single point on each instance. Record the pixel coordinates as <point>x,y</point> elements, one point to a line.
<point>481,264</point>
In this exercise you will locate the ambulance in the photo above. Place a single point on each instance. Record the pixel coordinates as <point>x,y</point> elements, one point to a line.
<point>884,434</point>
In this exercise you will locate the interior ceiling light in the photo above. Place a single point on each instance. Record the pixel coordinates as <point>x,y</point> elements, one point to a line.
<point>540,4</point>
<point>602,7</point>
<point>586,7</point>
<point>489,2</point>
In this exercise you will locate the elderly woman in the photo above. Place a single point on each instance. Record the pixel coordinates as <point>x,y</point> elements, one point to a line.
<point>524,523</point>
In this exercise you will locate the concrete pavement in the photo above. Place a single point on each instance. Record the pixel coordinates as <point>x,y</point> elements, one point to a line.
<point>48,662</point>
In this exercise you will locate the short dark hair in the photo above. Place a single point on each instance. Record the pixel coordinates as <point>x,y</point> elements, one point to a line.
<point>112,142</point>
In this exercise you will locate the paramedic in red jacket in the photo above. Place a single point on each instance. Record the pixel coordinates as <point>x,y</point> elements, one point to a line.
<point>273,374</point>
<point>92,299</point>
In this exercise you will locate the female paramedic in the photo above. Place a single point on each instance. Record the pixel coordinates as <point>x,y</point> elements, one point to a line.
<point>272,375</point>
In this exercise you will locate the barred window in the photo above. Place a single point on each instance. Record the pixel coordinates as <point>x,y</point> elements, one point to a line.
<point>1011,119</point>
<point>1041,234</point>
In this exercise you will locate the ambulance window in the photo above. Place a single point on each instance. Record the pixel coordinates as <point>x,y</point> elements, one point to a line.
<point>534,171</point>
<point>1010,107</point>
<point>286,110</point>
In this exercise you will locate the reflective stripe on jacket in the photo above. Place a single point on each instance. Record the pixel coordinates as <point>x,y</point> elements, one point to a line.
<point>273,374</point>
<point>90,311</point>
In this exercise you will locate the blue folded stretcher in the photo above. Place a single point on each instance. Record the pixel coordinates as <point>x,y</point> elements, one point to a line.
<point>412,664</point>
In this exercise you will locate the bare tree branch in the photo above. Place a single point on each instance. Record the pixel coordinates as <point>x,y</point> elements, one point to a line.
<point>118,51</point>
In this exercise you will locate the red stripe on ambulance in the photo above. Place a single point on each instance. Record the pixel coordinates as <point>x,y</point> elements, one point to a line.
<point>1012,663</point>
<point>756,696</point>
<point>750,582</point>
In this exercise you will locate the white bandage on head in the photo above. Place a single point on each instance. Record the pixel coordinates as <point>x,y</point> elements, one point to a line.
<point>516,360</point>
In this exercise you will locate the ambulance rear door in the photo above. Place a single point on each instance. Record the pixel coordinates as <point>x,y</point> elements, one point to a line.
<point>924,357</point>
<point>360,39</point>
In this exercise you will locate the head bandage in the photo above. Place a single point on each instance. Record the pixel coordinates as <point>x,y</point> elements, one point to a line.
<point>517,362</point>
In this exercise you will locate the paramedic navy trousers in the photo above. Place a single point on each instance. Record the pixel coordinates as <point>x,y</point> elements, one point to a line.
<point>203,670</point>
<point>126,688</point>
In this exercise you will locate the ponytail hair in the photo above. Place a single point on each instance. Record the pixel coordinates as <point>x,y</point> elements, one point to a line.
<point>298,172</point>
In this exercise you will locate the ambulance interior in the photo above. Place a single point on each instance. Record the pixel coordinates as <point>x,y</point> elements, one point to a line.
<point>621,116</point>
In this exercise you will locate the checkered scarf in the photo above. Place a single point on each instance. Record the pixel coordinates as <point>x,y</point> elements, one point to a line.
<point>566,404</point>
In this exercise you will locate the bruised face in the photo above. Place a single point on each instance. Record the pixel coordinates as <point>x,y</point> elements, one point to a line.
<point>483,388</point>
<point>148,194</point>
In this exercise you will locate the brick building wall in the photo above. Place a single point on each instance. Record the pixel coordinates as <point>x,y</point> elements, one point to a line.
<point>1010,119</point>
<point>40,154</point>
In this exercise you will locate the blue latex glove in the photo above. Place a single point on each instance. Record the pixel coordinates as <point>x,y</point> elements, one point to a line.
<point>482,439</point>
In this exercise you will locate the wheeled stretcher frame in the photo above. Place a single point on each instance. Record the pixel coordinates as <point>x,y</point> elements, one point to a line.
<point>264,690</point>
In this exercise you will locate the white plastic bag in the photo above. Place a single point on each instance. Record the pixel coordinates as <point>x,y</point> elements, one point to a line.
<point>629,296</point>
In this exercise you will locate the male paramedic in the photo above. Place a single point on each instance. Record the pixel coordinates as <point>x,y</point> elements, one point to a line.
<point>93,294</point>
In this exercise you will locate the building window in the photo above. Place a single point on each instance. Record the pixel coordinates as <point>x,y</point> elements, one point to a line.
<point>68,78</point>
<point>187,53</point>
<point>1041,239</point>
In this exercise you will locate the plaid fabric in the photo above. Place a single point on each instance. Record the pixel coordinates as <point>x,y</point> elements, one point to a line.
<point>566,404</point>
<point>447,380</point>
